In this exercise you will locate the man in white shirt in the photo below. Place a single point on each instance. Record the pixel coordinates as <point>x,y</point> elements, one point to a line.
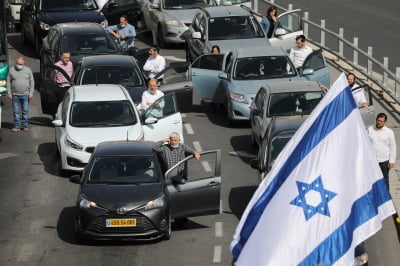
<point>151,95</point>
<point>154,64</point>
<point>384,143</point>
<point>300,51</point>
<point>358,94</point>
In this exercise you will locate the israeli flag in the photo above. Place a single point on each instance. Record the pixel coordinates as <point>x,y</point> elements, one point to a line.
<point>324,195</point>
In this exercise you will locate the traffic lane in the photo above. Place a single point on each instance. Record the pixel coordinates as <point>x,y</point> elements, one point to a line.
<point>356,16</point>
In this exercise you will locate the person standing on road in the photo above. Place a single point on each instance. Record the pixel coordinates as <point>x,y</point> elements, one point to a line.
<point>123,33</point>
<point>358,94</point>
<point>155,63</point>
<point>66,65</point>
<point>20,88</point>
<point>300,51</point>
<point>384,144</point>
<point>268,22</point>
<point>151,95</point>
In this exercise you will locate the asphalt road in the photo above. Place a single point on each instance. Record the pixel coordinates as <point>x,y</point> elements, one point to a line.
<point>37,203</point>
<point>375,23</point>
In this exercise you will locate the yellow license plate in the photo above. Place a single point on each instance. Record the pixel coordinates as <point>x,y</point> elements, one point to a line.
<point>120,222</point>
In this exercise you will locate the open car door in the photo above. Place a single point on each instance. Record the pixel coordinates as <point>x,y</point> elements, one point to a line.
<point>320,71</point>
<point>204,72</point>
<point>197,191</point>
<point>162,118</point>
<point>51,92</point>
<point>368,114</point>
<point>288,26</point>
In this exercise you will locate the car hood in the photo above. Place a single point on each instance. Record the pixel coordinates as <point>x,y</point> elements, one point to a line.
<point>252,86</point>
<point>227,45</point>
<point>113,197</point>
<point>184,15</point>
<point>94,135</point>
<point>56,17</point>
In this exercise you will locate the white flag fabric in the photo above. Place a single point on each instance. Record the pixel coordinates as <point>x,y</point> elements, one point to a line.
<point>324,195</point>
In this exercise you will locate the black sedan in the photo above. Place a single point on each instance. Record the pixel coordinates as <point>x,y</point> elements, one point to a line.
<point>124,193</point>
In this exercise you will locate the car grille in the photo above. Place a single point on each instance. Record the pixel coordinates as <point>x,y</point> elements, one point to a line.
<point>89,149</point>
<point>143,224</point>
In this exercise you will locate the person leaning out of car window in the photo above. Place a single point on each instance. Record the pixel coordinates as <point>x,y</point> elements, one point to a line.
<point>66,65</point>
<point>123,33</point>
<point>155,63</point>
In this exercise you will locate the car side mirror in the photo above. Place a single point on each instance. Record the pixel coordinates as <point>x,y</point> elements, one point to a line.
<point>150,120</point>
<point>155,6</point>
<point>178,180</point>
<point>308,71</point>
<point>76,179</point>
<point>223,76</point>
<point>280,32</point>
<point>57,123</point>
<point>255,163</point>
<point>196,35</point>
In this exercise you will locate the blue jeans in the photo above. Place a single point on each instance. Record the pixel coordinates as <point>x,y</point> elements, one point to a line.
<point>20,105</point>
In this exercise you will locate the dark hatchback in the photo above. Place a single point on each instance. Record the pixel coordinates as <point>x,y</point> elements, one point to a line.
<point>37,16</point>
<point>125,195</point>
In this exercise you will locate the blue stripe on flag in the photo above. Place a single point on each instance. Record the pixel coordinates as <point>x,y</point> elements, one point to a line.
<point>337,244</point>
<point>331,116</point>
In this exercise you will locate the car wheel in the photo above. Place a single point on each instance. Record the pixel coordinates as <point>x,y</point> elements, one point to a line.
<point>167,235</point>
<point>160,38</point>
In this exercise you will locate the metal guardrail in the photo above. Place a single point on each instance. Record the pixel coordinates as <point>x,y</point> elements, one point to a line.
<point>375,71</point>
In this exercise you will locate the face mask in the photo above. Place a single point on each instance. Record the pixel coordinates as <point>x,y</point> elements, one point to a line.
<point>18,67</point>
<point>122,25</point>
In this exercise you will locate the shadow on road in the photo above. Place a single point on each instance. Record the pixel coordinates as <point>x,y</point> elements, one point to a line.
<point>15,41</point>
<point>238,199</point>
<point>49,158</point>
<point>243,149</point>
<point>40,121</point>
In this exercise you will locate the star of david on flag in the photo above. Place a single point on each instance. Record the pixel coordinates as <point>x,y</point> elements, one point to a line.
<point>324,195</point>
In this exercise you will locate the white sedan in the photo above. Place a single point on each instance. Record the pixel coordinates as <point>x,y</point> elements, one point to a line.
<point>91,114</point>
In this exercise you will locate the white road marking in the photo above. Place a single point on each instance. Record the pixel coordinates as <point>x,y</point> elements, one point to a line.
<point>217,254</point>
<point>189,129</point>
<point>5,155</point>
<point>174,58</point>
<point>206,166</point>
<point>219,232</point>
<point>197,146</point>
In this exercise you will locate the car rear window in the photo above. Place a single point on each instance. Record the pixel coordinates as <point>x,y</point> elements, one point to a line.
<point>234,27</point>
<point>293,103</point>
<point>66,5</point>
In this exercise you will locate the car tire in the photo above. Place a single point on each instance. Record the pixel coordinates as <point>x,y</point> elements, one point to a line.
<point>167,235</point>
<point>160,37</point>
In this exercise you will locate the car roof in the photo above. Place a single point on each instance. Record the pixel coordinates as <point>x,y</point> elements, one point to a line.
<point>80,28</point>
<point>124,148</point>
<point>260,51</point>
<point>225,11</point>
<point>108,60</point>
<point>286,123</point>
<point>292,86</point>
<point>98,92</point>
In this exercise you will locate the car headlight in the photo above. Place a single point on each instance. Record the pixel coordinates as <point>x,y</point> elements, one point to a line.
<point>238,98</point>
<point>86,204</point>
<point>153,204</point>
<point>173,22</point>
<point>44,26</point>
<point>104,23</point>
<point>72,144</point>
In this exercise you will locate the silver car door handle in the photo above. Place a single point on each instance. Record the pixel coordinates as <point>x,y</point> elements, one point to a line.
<point>212,184</point>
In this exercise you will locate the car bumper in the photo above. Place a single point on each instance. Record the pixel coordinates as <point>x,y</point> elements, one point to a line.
<point>91,224</point>
<point>75,160</point>
<point>239,111</point>
<point>175,34</point>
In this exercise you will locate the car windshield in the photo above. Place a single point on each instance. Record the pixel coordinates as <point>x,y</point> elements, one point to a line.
<point>278,142</point>
<point>102,114</point>
<point>234,27</point>
<point>264,67</point>
<point>124,170</point>
<point>88,44</point>
<point>68,5</point>
<point>188,4</point>
<point>293,103</point>
<point>127,76</point>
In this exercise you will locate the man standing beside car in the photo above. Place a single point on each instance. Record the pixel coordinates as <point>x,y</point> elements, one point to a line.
<point>155,63</point>
<point>151,95</point>
<point>66,65</point>
<point>123,33</point>
<point>20,87</point>
<point>300,51</point>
